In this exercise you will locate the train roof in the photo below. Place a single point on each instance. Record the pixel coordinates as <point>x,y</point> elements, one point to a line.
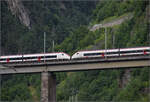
<point>36,54</point>
<point>103,50</point>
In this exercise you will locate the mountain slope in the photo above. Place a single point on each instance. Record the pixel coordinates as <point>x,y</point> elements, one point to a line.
<point>109,85</point>
<point>74,35</point>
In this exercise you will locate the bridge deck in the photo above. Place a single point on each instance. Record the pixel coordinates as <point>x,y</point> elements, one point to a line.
<point>76,65</point>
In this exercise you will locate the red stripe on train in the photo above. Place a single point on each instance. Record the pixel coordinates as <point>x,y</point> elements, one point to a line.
<point>145,52</point>
<point>103,55</point>
<point>39,59</point>
<point>7,60</point>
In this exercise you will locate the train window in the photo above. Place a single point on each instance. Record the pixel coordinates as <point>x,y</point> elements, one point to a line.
<point>16,58</point>
<point>77,53</point>
<point>2,59</point>
<point>135,51</point>
<point>52,56</point>
<point>30,57</point>
<point>63,54</point>
<point>92,54</point>
<point>11,59</point>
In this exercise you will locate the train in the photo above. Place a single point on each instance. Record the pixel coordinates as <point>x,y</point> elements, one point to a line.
<point>59,56</point>
<point>35,57</point>
<point>112,53</point>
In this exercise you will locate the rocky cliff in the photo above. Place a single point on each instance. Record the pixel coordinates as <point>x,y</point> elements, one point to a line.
<point>17,8</point>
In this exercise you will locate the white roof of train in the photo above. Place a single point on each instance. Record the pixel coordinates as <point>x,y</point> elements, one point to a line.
<point>28,55</point>
<point>110,50</point>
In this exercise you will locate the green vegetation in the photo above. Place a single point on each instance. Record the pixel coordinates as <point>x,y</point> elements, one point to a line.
<point>69,28</point>
<point>57,19</point>
<point>114,18</point>
<point>108,85</point>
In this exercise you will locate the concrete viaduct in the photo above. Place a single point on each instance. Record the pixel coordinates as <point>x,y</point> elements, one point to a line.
<point>48,79</point>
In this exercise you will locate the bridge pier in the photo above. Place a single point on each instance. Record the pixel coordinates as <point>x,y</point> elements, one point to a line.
<point>48,87</point>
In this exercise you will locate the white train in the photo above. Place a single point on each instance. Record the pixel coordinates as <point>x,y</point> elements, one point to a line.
<point>34,57</point>
<point>111,53</point>
<point>78,55</point>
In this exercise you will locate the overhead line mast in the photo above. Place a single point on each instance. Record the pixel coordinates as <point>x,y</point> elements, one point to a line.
<point>44,45</point>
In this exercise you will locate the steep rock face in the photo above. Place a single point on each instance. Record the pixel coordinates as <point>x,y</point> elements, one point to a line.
<point>117,21</point>
<point>18,9</point>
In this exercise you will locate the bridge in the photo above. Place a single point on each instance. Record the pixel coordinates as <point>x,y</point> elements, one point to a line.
<point>76,65</point>
<point>48,79</point>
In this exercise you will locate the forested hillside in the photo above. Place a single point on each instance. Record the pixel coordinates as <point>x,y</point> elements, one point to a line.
<point>109,85</point>
<point>68,24</point>
<point>57,19</point>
